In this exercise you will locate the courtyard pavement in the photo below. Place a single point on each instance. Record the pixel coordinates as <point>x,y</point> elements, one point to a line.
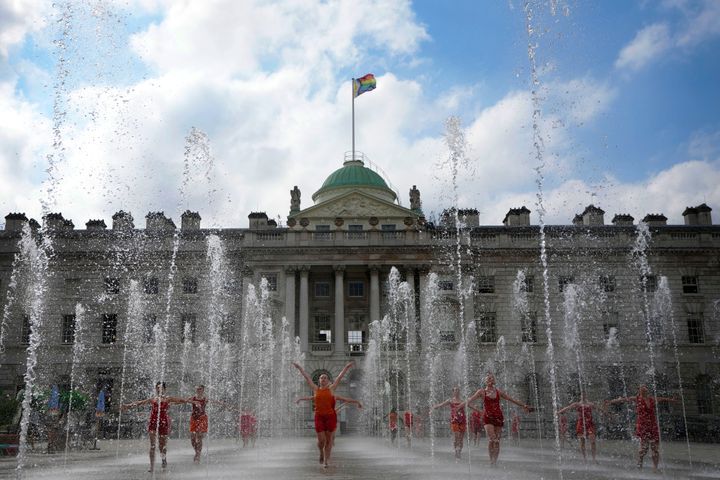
<point>363,458</point>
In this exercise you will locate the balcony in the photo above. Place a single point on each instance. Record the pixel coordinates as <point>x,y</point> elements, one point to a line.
<point>357,349</point>
<point>321,349</point>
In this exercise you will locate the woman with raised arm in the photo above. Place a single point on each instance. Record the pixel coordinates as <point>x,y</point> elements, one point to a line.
<point>458,421</point>
<point>493,415</point>
<point>646,424</point>
<point>325,415</point>
<point>159,424</point>
<point>585,426</point>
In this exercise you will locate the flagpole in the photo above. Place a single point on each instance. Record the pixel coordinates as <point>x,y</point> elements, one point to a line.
<point>352,90</point>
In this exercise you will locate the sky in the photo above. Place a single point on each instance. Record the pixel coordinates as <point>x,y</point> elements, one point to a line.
<point>222,106</point>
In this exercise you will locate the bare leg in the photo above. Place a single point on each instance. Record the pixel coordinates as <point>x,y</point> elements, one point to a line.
<point>655,453</point>
<point>163,450</point>
<point>321,445</point>
<point>198,445</point>
<point>152,451</point>
<point>593,447</point>
<point>642,451</point>
<point>582,448</point>
<point>329,440</point>
<point>458,444</point>
<point>493,434</point>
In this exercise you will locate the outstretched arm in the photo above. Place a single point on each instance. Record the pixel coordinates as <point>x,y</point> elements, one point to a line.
<point>520,404</point>
<point>139,403</point>
<point>620,400</point>
<point>341,375</point>
<point>474,409</point>
<point>176,400</point>
<point>474,396</point>
<point>440,405</point>
<point>349,400</point>
<point>304,399</point>
<point>565,409</point>
<point>666,399</point>
<point>305,375</point>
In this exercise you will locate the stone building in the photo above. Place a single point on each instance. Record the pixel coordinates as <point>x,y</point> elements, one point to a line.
<point>327,269</point>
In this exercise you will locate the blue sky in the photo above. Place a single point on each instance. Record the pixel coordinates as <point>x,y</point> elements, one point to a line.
<point>628,88</point>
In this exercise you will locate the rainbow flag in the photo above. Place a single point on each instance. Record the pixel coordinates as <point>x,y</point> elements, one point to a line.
<point>363,84</point>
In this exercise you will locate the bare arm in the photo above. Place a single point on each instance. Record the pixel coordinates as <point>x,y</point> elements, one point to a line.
<point>480,392</point>
<point>565,409</point>
<point>341,375</point>
<point>474,409</point>
<point>303,399</point>
<point>666,399</point>
<point>440,405</point>
<point>306,376</point>
<point>139,403</point>
<point>620,400</point>
<point>520,404</point>
<point>176,400</point>
<point>349,400</point>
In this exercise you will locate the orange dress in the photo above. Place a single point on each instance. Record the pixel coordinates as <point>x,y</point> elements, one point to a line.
<point>325,415</point>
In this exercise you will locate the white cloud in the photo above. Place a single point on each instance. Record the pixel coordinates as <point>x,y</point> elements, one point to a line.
<point>17,19</point>
<point>649,43</point>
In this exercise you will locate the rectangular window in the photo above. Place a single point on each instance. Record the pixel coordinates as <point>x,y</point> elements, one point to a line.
<point>188,326</point>
<point>109,328</point>
<point>151,285</point>
<point>649,282</point>
<point>529,328</point>
<point>610,324</point>
<point>703,392</point>
<point>112,285</point>
<point>447,336</point>
<point>486,284</point>
<point>607,283</point>
<point>227,329</point>
<point>322,289</point>
<point>322,328</point>
<point>690,284</point>
<point>322,228</point>
<point>355,232</point>
<point>696,332</point>
<point>354,336</point>
<point>271,279</point>
<point>355,228</point>
<point>68,329</point>
<point>356,289</point>
<point>446,285</point>
<point>149,323</point>
<point>388,227</point>
<point>529,284</point>
<point>564,281</point>
<point>487,328</point>
<point>190,285</point>
<point>26,330</point>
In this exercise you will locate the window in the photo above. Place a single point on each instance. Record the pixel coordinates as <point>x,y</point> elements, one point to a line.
<point>564,281</point>
<point>190,285</point>
<point>227,329</point>
<point>322,232</point>
<point>109,328</point>
<point>26,330</point>
<point>356,289</point>
<point>355,228</point>
<point>322,328</point>
<point>188,326</point>
<point>446,285</point>
<point>355,232</point>
<point>607,283</point>
<point>610,325</point>
<point>68,329</point>
<point>649,282</point>
<point>271,279</point>
<point>387,228</point>
<point>703,392</point>
<point>355,336</point>
<point>447,336</point>
<point>487,328</point>
<point>529,328</point>
<point>529,284</point>
<point>149,328</point>
<point>150,285</point>
<point>690,284</point>
<point>486,284</point>
<point>322,228</point>
<point>322,289</point>
<point>112,285</point>
<point>696,332</point>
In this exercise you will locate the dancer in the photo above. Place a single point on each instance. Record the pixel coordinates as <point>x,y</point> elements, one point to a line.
<point>476,425</point>
<point>392,424</point>
<point>199,419</point>
<point>408,422</point>
<point>563,429</point>
<point>248,427</point>
<point>585,426</point>
<point>457,419</point>
<point>646,426</point>
<point>325,415</point>
<point>159,424</point>
<point>493,416</point>
<point>515,428</point>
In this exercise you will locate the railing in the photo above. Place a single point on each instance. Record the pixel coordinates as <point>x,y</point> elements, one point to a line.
<point>355,235</point>
<point>357,349</point>
<point>270,236</point>
<point>323,236</point>
<point>321,348</point>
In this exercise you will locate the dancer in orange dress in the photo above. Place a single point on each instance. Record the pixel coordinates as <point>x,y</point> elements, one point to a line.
<point>646,423</point>
<point>476,424</point>
<point>458,420</point>
<point>585,426</point>
<point>199,419</point>
<point>159,424</point>
<point>493,416</point>
<point>325,415</point>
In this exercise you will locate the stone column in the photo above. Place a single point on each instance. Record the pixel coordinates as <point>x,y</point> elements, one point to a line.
<point>290,299</point>
<point>247,280</point>
<point>339,309</point>
<point>423,271</point>
<point>374,293</point>
<point>304,308</point>
<point>468,288</point>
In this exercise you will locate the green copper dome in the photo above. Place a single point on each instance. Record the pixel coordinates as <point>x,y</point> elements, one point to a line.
<point>354,174</point>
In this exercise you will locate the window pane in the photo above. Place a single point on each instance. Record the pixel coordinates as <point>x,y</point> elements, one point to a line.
<point>322,289</point>
<point>356,289</point>
<point>109,328</point>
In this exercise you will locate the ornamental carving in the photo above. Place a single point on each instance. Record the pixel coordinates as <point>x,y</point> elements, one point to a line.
<point>373,221</point>
<point>339,222</point>
<point>409,221</point>
<point>291,222</point>
<point>304,222</point>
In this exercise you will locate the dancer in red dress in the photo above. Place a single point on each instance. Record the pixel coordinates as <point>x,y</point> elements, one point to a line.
<point>409,423</point>
<point>493,416</point>
<point>646,424</point>
<point>159,424</point>
<point>563,429</point>
<point>585,426</point>
<point>458,420</point>
<point>515,428</point>
<point>248,427</point>
<point>325,415</point>
<point>476,424</point>
<point>393,425</point>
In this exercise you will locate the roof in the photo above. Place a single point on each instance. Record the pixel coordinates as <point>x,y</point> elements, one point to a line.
<point>354,174</point>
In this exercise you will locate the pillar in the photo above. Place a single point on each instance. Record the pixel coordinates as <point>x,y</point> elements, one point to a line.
<point>374,293</point>
<point>304,308</point>
<point>339,309</point>
<point>290,299</point>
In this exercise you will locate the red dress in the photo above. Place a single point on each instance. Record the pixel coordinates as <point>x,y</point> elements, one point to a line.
<point>476,422</point>
<point>457,417</point>
<point>198,418</point>
<point>646,426</point>
<point>493,413</point>
<point>408,419</point>
<point>584,423</point>
<point>247,424</point>
<point>161,425</point>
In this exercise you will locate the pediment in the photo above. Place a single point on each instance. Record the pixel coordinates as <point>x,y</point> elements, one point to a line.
<point>355,204</point>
